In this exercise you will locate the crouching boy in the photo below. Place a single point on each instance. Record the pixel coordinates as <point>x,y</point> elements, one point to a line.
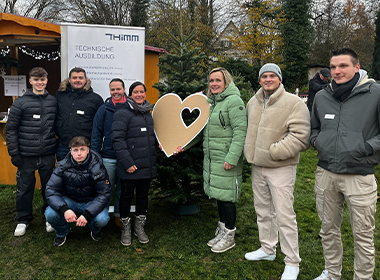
<point>78,192</point>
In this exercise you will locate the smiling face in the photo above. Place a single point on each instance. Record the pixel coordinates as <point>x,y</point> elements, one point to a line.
<point>138,94</point>
<point>38,84</point>
<point>216,82</point>
<point>77,80</point>
<point>343,69</point>
<point>79,154</point>
<point>270,82</point>
<point>117,91</point>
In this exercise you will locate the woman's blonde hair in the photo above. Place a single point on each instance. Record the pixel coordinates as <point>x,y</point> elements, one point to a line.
<point>226,75</point>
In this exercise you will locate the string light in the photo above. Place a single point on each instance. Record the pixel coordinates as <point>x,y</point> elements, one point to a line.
<point>54,55</point>
<point>4,52</point>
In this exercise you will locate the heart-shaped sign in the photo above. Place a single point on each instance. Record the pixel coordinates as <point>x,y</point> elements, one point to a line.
<point>171,131</point>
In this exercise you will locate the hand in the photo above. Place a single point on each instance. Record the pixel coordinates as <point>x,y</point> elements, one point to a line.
<point>70,216</point>
<point>178,150</point>
<point>132,169</point>
<point>16,160</point>
<point>81,222</point>
<point>227,166</point>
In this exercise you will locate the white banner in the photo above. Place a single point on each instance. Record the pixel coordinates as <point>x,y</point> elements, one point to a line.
<point>105,52</point>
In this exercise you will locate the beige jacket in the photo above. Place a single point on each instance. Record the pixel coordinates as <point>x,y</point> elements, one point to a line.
<point>277,133</point>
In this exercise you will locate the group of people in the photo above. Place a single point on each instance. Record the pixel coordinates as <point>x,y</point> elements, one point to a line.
<point>42,127</point>
<point>270,132</point>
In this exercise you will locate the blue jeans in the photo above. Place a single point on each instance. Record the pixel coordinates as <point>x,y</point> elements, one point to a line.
<point>110,165</point>
<point>62,228</point>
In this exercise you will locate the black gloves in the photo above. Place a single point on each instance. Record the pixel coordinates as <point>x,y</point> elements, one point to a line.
<point>16,161</point>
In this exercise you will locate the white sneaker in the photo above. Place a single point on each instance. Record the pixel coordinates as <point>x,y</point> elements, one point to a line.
<point>324,276</point>
<point>259,255</point>
<point>49,228</point>
<point>290,272</point>
<point>20,229</point>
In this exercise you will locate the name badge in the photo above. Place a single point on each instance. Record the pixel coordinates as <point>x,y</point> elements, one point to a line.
<point>80,112</point>
<point>36,116</point>
<point>143,129</point>
<point>329,116</point>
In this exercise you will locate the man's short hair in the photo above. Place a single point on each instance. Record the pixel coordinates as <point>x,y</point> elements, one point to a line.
<point>347,51</point>
<point>79,141</point>
<point>77,70</point>
<point>118,80</point>
<point>38,72</point>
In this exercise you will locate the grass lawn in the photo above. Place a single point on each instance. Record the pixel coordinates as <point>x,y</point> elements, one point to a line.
<point>177,247</point>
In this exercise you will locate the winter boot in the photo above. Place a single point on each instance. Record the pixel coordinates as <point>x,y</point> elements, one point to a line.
<point>226,242</point>
<point>139,229</point>
<point>218,234</point>
<point>125,231</point>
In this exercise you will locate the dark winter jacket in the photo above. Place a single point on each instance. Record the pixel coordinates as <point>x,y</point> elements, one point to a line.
<point>134,142</point>
<point>76,111</point>
<point>101,140</point>
<point>80,182</point>
<point>29,130</point>
<point>223,141</point>
<point>315,85</point>
<point>347,134</point>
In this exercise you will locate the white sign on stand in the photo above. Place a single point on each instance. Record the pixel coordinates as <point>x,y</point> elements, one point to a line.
<point>105,52</point>
<point>14,85</point>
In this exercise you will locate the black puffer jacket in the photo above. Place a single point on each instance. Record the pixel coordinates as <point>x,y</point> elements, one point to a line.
<point>29,130</point>
<point>76,111</point>
<point>80,182</point>
<point>134,142</point>
<point>315,85</point>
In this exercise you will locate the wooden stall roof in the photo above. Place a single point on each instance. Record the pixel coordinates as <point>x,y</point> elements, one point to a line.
<point>18,31</point>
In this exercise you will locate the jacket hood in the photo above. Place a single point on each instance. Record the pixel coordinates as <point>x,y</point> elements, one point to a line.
<point>230,90</point>
<point>63,85</point>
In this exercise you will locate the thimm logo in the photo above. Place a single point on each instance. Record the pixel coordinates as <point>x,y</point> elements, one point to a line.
<point>123,37</point>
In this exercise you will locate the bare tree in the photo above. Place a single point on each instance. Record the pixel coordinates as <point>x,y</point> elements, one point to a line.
<point>47,10</point>
<point>340,24</point>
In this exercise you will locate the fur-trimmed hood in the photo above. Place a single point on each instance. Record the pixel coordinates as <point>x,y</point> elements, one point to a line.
<point>64,83</point>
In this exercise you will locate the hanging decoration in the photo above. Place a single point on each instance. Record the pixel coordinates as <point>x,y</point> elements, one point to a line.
<point>5,51</point>
<point>40,55</point>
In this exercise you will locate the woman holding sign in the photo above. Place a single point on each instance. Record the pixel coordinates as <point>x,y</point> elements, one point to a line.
<point>134,142</point>
<point>223,143</point>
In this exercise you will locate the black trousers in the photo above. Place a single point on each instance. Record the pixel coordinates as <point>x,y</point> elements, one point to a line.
<point>227,213</point>
<point>128,188</point>
<point>26,181</point>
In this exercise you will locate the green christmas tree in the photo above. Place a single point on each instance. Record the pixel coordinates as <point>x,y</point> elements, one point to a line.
<point>180,177</point>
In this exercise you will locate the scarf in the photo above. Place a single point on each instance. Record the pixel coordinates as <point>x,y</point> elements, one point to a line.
<point>342,91</point>
<point>143,108</point>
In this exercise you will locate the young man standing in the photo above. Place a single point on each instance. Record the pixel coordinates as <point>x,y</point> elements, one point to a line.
<point>78,192</point>
<point>77,106</point>
<point>31,144</point>
<point>345,130</point>
<point>278,130</point>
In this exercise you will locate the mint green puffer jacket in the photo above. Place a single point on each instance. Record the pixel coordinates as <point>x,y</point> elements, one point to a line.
<point>223,141</point>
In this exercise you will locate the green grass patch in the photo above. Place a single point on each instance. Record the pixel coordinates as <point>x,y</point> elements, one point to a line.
<point>177,247</point>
